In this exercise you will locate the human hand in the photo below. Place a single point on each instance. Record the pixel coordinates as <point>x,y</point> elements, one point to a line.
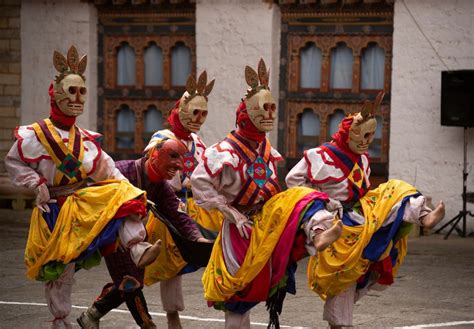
<point>204,240</point>
<point>43,198</point>
<point>240,220</point>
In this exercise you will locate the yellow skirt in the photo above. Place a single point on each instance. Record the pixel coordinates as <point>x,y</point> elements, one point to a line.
<point>81,219</point>
<point>335,269</point>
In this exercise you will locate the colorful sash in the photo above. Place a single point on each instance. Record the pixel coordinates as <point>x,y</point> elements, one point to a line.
<point>352,168</point>
<point>68,159</point>
<point>345,261</point>
<point>259,175</point>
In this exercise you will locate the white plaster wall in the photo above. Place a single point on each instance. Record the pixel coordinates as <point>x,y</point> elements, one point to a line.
<point>231,34</point>
<point>55,25</point>
<point>422,151</point>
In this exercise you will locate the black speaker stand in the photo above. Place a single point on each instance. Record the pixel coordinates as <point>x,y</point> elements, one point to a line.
<point>463,213</point>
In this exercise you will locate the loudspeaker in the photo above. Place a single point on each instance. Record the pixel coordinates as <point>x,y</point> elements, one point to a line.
<point>457,98</point>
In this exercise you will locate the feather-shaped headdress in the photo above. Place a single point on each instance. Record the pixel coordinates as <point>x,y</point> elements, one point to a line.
<point>70,65</point>
<point>257,81</point>
<point>199,88</point>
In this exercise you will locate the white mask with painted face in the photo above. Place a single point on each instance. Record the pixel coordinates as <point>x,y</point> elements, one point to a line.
<point>70,94</point>
<point>361,134</point>
<point>261,109</point>
<point>193,114</point>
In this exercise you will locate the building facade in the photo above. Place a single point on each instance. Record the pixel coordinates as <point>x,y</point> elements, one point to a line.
<point>325,58</point>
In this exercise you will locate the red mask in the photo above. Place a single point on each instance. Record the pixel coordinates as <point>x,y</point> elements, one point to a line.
<point>165,161</point>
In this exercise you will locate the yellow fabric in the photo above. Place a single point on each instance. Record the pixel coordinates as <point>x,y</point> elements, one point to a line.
<point>170,262</point>
<point>82,217</point>
<point>339,266</point>
<point>67,150</point>
<point>209,219</point>
<point>219,284</point>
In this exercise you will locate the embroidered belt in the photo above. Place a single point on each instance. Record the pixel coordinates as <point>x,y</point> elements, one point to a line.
<point>65,190</point>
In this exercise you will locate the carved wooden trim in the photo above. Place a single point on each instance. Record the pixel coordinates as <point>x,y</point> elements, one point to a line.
<point>140,43</point>
<point>139,107</point>
<point>326,43</point>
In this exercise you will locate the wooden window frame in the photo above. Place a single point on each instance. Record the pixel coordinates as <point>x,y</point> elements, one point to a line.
<point>140,26</point>
<point>326,27</point>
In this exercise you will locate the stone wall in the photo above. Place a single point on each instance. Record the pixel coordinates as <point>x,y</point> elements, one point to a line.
<point>423,152</point>
<point>231,34</point>
<point>10,74</point>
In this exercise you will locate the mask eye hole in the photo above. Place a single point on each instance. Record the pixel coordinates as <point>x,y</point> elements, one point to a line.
<point>204,113</point>
<point>174,155</point>
<point>72,90</point>
<point>82,90</point>
<point>196,112</point>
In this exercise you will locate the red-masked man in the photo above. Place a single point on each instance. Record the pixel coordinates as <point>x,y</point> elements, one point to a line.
<point>83,203</point>
<point>150,174</point>
<point>186,119</point>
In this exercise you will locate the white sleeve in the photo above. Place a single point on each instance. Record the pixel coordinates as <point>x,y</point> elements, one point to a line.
<point>21,174</point>
<point>106,169</point>
<point>298,175</point>
<point>204,189</point>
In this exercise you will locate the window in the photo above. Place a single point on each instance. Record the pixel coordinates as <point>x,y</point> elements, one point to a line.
<point>373,66</point>
<point>125,128</point>
<point>334,56</point>
<point>146,52</point>
<point>153,122</point>
<point>341,67</point>
<point>180,64</point>
<point>125,65</point>
<point>153,66</point>
<point>334,120</point>
<point>308,130</point>
<point>310,67</point>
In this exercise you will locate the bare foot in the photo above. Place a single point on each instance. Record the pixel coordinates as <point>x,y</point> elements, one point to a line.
<point>173,320</point>
<point>150,255</point>
<point>434,217</point>
<point>323,239</point>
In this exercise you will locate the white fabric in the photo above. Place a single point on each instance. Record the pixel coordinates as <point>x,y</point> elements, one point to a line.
<point>341,68</point>
<point>180,65</point>
<point>26,170</point>
<point>153,59</point>
<point>199,148</point>
<point>58,296</point>
<point>338,309</point>
<point>227,173</point>
<point>132,235</point>
<point>171,292</point>
<point>237,321</point>
<point>310,67</point>
<point>126,66</point>
<point>321,220</point>
<point>372,67</point>
<point>320,168</point>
